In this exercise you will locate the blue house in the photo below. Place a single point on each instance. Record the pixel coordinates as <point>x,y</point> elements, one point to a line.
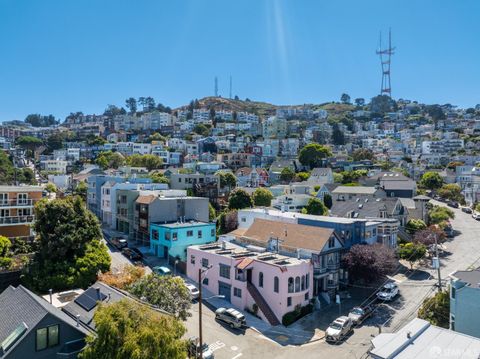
<point>171,240</point>
<point>465,302</point>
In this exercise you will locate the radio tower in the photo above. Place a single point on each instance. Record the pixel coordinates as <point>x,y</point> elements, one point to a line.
<point>230,87</point>
<point>385,60</point>
<point>216,86</point>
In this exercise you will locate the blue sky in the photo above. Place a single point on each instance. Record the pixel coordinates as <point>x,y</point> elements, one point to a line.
<point>59,56</point>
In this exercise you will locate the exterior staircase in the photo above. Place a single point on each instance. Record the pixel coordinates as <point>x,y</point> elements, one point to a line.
<point>262,305</point>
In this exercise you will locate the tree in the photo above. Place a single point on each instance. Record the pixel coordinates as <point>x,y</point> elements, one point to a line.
<point>37,120</point>
<point>201,130</point>
<point>124,277</point>
<point>112,111</point>
<point>262,197</point>
<point>369,262</point>
<point>439,214</point>
<point>239,199</point>
<point>381,104</point>
<point>50,187</point>
<point>109,159</point>
<point>131,104</point>
<point>436,309</point>
<point>327,200</point>
<point>227,179</point>
<point>149,161</point>
<point>55,141</point>
<point>5,253</point>
<point>212,214</point>
<point>312,155</point>
<point>70,252</point>
<point>303,176</point>
<point>287,175</point>
<point>411,252</point>
<point>451,191</point>
<point>156,137</point>
<point>435,112</point>
<point>363,154</point>
<point>167,293</point>
<point>158,177</point>
<point>429,236</point>
<point>431,180</point>
<point>149,104</point>
<point>337,177</point>
<point>315,206</point>
<point>29,143</point>
<point>81,191</point>
<point>338,138</point>
<point>345,98</point>
<point>415,225</point>
<point>360,102</point>
<point>127,329</point>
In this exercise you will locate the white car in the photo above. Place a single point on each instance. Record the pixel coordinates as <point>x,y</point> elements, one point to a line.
<point>388,292</point>
<point>339,329</point>
<point>194,293</point>
<point>476,215</point>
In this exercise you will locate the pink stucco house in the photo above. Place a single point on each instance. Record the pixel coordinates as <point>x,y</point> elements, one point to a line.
<point>246,276</point>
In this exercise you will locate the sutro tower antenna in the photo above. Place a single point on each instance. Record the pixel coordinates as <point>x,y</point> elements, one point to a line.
<point>216,86</point>
<point>230,87</point>
<point>385,60</point>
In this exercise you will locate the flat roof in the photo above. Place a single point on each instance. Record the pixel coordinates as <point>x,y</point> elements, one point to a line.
<point>293,215</point>
<point>187,223</point>
<point>355,189</point>
<point>21,188</point>
<point>471,277</point>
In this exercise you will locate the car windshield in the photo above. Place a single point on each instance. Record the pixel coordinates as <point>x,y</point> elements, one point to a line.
<point>357,311</point>
<point>336,325</point>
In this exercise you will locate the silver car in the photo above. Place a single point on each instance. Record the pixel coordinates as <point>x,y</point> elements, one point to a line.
<point>230,316</point>
<point>339,329</point>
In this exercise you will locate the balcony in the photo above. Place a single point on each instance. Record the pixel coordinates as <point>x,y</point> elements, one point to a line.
<point>16,203</point>
<point>333,266</point>
<point>15,220</point>
<point>318,272</point>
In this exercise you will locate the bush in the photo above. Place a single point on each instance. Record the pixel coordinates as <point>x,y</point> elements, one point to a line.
<point>296,314</point>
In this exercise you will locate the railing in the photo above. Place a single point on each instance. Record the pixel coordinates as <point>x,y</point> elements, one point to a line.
<point>16,219</point>
<point>16,202</point>
<point>333,266</point>
<point>331,284</point>
<point>317,271</point>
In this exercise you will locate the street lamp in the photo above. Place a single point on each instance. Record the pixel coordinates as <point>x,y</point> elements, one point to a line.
<point>200,272</point>
<point>175,267</point>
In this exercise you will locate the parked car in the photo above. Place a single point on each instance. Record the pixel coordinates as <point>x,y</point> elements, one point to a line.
<point>339,329</point>
<point>194,293</point>
<point>359,314</point>
<point>137,252</point>
<point>452,204</point>
<point>130,254</point>
<point>230,316</point>
<point>388,292</point>
<point>194,349</point>
<point>467,210</point>
<point>161,270</point>
<point>476,215</point>
<point>119,242</point>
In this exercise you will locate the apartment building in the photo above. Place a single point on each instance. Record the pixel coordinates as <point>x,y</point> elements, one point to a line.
<point>465,302</point>
<point>17,210</point>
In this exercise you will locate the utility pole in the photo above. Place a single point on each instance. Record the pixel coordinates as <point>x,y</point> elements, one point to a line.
<point>200,344</point>
<point>438,264</point>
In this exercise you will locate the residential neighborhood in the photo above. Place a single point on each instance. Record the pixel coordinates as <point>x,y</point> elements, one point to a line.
<point>138,220</point>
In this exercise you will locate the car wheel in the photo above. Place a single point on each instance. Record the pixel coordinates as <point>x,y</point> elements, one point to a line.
<point>232,326</point>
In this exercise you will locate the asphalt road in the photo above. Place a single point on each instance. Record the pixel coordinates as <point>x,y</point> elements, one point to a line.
<point>463,252</point>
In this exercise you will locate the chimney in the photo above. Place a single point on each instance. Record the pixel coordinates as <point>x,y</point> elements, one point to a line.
<point>97,290</point>
<point>50,291</point>
<point>409,334</point>
<point>78,319</point>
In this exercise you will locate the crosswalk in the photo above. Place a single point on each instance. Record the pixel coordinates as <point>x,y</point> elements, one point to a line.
<point>217,345</point>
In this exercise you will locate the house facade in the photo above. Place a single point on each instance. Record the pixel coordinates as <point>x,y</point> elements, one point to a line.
<point>465,302</point>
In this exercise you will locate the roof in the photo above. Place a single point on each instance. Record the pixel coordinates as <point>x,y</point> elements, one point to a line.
<point>21,188</point>
<point>244,263</point>
<point>355,190</point>
<point>293,235</point>
<point>19,305</point>
<point>86,316</point>
<point>400,184</point>
<point>188,223</point>
<point>365,207</point>
<point>471,277</point>
<point>145,199</point>
<point>420,339</point>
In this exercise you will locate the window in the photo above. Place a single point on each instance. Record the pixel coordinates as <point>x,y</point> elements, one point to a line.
<point>275,284</point>
<point>212,232</point>
<point>47,337</point>
<point>307,281</point>
<point>289,301</point>
<point>204,262</point>
<point>205,281</point>
<point>303,282</point>
<point>290,285</point>
<point>199,234</point>
<point>331,242</point>
<point>189,233</point>
<point>452,291</point>
<point>237,292</point>
<point>192,259</point>
<point>167,236</point>
<point>297,284</point>
<point>174,236</point>
<point>306,296</point>
<point>260,279</point>
<point>224,271</point>
<point>243,219</point>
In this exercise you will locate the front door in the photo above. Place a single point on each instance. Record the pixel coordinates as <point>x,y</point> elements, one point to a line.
<point>225,290</point>
<point>165,252</point>
<point>249,275</point>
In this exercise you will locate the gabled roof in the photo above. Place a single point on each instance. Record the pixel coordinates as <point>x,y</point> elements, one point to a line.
<point>355,190</point>
<point>364,207</point>
<point>291,234</point>
<point>19,305</point>
<point>145,199</point>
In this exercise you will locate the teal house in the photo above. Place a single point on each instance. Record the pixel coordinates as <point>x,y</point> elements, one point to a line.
<point>171,240</point>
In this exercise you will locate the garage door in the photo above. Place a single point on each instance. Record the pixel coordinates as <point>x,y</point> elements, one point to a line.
<point>224,289</point>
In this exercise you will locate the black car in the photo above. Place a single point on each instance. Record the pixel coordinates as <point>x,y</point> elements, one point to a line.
<point>452,204</point>
<point>137,251</point>
<point>127,252</point>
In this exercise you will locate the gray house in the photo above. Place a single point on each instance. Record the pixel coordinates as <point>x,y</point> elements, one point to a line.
<point>30,327</point>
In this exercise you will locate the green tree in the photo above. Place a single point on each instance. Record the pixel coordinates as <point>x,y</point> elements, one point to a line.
<point>239,199</point>
<point>70,252</point>
<point>55,141</point>
<point>127,329</point>
<point>436,309</point>
<point>287,175</point>
<point>201,130</point>
<point>50,188</point>
<point>360,102</point>
<point>312,155</point>
<point>431,180</point>
<point>440,214</point>
<point>5,253</point>
<point>227,179</point>
<point>415,225</point>
<point>338,138</point>
<point>337,177</point>
<point>167,293</point>
<point>451,191</point>
<point>156,137</point>
<point>315,206</point>
<point>112,111</point>
<point>262,197</point>
<point>81,190</point>
<point>412,252</point>
<point>363,154</point>
<point>29,143</point>
<point>131,104</point>
<point>345,98</point>
<point>158,177</point>
<point>381,104</point>
<point>151,162</point>
<point>37,120</point>
<point>303,176</point>
<point>327,200</point>
<point>212,214</point>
